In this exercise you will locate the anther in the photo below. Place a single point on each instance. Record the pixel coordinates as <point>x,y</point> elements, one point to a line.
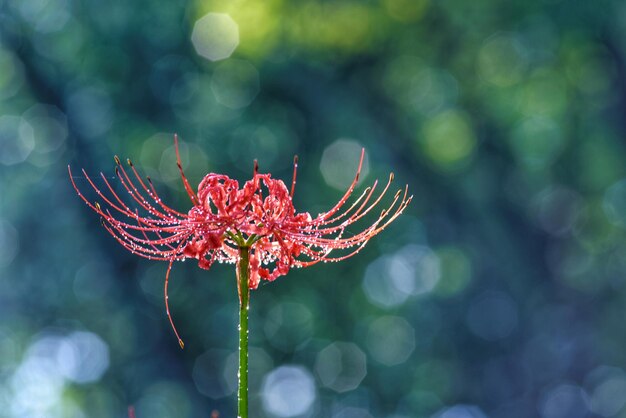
<point>255,170</point>
<point>181,343</point>
<point>130,163</point>
<point>98,206</point>
<point>391,176</point>
<point>117,160</point>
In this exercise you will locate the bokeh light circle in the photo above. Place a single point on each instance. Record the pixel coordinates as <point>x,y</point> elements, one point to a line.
<point>502,60</point>
<point>289,325</point>
<point>564,401</point>
<point>9,243</point>
<point>11,74</point>
<point>235,83</point>
<point>390,340</point>
<point>448,140</point>
<point>288,391</point>
<point>83,357</point>
<point>391,279</point>
<point>609,397</point>
<point>17,140</point>
<point>614,203</point>
<point>341,366</point>
<point>340,161</point>
<point>215,36</point>
<point>207,374</point>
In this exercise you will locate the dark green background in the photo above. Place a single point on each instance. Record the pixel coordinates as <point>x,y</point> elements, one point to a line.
<point>500,292</point>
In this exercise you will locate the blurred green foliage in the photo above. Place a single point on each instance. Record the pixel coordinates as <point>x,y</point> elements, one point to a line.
<point>500,293</point>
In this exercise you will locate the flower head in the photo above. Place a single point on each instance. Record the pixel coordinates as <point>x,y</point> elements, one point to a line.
<point>225,217</point>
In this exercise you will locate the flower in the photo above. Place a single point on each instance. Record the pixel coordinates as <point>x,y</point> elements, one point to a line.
<point>224,218</point>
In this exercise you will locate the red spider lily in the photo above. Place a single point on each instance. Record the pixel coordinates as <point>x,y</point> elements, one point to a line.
<point>224,217</point>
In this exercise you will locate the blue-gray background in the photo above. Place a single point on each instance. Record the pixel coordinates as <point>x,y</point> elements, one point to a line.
<point>500,293</point>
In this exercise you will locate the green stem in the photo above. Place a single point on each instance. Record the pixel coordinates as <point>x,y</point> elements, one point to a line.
<point>244,304</point>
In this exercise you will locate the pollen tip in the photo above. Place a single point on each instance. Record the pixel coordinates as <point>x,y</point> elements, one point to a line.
<point>391,176</point>
<point>130,163</point>
<point>117,160</point>
<point>98,206</point>
<point>181,343</point>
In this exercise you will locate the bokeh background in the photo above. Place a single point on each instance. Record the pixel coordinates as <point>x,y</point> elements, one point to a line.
<point>500,293</point>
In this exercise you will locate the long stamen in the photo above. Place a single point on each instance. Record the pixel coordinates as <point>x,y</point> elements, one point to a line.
<point>190,192</point>
<point>293,178</point>
<point>348,193</point>
<point>173,213</point>
<point>167,305</point>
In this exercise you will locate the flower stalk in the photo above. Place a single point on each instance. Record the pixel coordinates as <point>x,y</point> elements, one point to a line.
<point>243,278</point>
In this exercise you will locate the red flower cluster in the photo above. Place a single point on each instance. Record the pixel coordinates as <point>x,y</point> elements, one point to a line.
<point>224,217</point>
